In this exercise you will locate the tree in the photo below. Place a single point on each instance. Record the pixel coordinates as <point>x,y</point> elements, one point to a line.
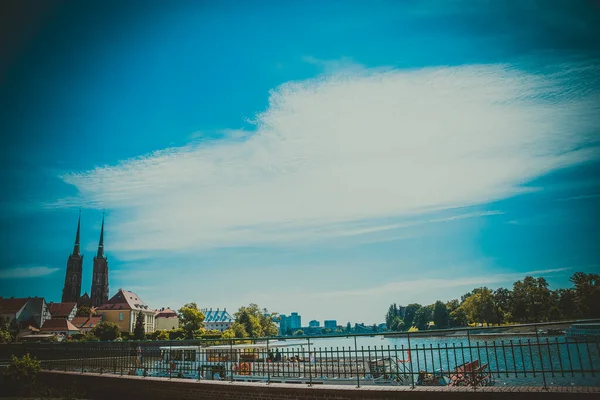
<point>423,317</point>
<point>5,336</point>
<point>409,313</point>
<point>480,306</point>
<point>299,332</point>
<point>397,324</point>
<point>254,322</point>
<point>139,332</point>
<point>458,317</point>
<point>587,294</point>
<point>567,304</point>
<point>191,319</point>
<point>531,300</point>
<point>440,315</point>
<point>106,331</point>
<point>83,311</point>
<point>348,328</point>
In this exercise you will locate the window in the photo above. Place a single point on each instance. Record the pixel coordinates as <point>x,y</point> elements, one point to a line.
<point>120,316</point>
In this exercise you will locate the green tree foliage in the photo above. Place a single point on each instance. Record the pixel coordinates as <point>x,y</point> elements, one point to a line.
<point>161,334</point>
<point>409,313</point>
<point>83,311</point>
<point>587,294</point>
<point>299,332</point>
<point>106,331</point>
<point>422,317</point>
<point>397,324</point>
<point>254,322</point>
<point>20,375</point>
<point>531,300</point>
<point>348,328</point>
<point>458,318</point>
<point>441,317</point>
<point>139,331</point>
<point>480,306</point>
<point>5,336</point>
<point>191,320</point>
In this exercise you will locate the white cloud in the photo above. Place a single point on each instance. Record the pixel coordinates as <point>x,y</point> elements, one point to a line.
<point>26,272</point>
<point>342,151</point>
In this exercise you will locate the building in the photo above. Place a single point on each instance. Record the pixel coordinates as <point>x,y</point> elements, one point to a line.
<point>63,310</point>
<point>314,323</point>
<point>25,311</point>
<point>330,324</point>
<point>59,326</point>
<point>165,319</point>
<point>99,294</point>
<point>86,324</point>
<point>219,320</point>
<point>123,308</point>
<point>288,325</point>
<point>72,288</point>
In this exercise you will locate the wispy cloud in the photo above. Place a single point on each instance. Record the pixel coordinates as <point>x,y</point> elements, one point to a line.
<point>343,149</point>
<point>414,286</point>
<point>26,272</point>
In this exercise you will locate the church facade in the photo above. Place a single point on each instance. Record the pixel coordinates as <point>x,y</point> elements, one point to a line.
<point>72,287</point>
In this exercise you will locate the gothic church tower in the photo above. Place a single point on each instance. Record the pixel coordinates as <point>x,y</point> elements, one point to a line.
<point>100,274</point>
<point>72,288</point>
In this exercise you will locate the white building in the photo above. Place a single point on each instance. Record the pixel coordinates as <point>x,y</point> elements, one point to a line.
<point>219,320</point>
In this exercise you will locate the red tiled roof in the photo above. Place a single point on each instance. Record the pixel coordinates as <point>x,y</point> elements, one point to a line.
<point>58,324</point>
<point>61,309</point>
<point>85,322</point>
<point>12,306</point>
<point>166,313</point>
<point>124,300</point>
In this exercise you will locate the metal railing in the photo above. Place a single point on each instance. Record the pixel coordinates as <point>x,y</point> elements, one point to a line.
<point>531,355</point>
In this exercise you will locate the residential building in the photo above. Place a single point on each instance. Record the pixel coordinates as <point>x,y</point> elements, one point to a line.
<point>63,310</point>
<point>26,311</point>
<point>166,319</point>
<point>330,324</point>
<point>86,324</point>
<point>123,308</point>
<point>314,323</point>
<point>59,326</point>
<point>219,320</point>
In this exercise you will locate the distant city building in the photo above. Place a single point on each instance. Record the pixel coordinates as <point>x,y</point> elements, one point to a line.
<point>219,320</point>
<point>314,323</point>
<point>289,324</point>
<point>123,308</point>
<point>330,324</point>
<point>63,310</point>
<point>166,319</point>
<point>295,321</point>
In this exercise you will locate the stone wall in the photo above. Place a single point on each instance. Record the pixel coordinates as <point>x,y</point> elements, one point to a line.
<point>96,386</point>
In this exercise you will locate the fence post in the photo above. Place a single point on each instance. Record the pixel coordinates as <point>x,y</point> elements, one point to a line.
<point>537,339</point>
<point>232,356</point>
<point>267,363</point>
<point>412,375</point>
<point>471,359</point>
<point>356,355</point>
<point>309,364</point>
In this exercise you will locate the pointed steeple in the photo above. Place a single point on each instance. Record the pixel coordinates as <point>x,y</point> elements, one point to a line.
<point>76,248</point>
<point>101,244</point>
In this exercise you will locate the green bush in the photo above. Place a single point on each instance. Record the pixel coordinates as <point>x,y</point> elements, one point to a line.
<point>20,375</point>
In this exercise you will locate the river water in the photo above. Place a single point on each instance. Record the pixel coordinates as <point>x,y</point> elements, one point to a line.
<point>512,359</point>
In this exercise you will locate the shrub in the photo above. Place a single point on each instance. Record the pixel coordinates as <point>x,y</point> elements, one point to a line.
<point>21,374</point>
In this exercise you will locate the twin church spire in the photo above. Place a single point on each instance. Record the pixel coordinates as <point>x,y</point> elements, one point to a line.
<point>72,286</point>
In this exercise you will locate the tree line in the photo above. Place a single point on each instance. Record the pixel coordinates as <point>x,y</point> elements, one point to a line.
<point>529,300</point>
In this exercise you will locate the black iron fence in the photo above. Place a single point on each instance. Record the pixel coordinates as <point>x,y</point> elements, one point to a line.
<point>533,355</point>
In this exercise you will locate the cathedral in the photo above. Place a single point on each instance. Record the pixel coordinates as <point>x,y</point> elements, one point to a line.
<point>72,287</point>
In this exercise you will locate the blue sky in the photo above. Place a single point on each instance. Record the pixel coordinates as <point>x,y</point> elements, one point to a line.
<point>322,157</point>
